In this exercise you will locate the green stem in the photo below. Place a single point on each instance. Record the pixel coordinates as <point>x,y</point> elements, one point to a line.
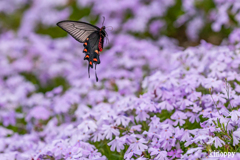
<point>213,100</point>
<point>227,89</point>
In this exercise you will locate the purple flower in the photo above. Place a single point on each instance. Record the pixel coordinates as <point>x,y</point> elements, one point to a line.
<point>194,27</point>
<point>193,117</point>
<point>156,26</point>
<point>175,153</point>
<point>218,142</point>
<point>138,145</point>
<point>4,132</point>
<point>165,105</point>
<point>87,126</point>
<point>136,128</point>
<point>55,91</point>
<point>38,113</point>
<point>163,93</point>
<point>212,82</point>
<point>110,130</point>
<point>194,95</point>
<point>232,76</point>
<point>183,103</point>
<point>234,115</point>
<point>129,153</point>
<point>196,108</point>
<point>142,158</point>
<point>97,136</point>
<point>236,137</point>
<point>161,155</point>
<point>122,120</point>
<point>234,36</point>
<point>117,143</point>
<point>141,115</point>
<point>179,116</point>
<point>8,118</point>
<point>202,138</point>
<point>167,132</point>
<point>186,136</point>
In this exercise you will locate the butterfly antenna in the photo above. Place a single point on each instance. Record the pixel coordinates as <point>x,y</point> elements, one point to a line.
<point>107,37</point>
<point>110,26</point>
<point>107,40</point>
<point>103,20</point>
<point>96,73</point>
<point>106,34</point>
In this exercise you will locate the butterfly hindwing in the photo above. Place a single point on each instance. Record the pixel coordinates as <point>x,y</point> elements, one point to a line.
<point>87,51</point>
<point>91,49</point>
<point>96,58</point>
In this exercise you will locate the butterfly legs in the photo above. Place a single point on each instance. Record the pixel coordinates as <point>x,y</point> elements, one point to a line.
<point>96,73</point>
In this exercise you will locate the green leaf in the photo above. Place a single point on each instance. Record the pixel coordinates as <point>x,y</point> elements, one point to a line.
<point>219,124</point>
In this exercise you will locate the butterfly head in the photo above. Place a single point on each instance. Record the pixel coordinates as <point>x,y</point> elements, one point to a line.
<point>104,33</point>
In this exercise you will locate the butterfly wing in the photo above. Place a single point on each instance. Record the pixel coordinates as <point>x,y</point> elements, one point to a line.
<point>78,30</point>
<point>91,48</point>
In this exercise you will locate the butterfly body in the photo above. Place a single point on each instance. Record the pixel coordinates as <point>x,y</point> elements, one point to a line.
<point>91,36</point>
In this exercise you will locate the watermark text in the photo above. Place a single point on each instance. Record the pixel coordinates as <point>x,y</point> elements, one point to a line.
<point>222,154</point>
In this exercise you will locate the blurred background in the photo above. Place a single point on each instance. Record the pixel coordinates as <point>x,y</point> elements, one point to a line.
<point>187,21</point>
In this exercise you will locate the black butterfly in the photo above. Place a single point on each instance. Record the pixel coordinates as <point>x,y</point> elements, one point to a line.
<point>90,35</point>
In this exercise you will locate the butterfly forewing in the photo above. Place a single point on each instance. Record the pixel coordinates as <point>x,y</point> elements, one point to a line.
<point>78,30</point>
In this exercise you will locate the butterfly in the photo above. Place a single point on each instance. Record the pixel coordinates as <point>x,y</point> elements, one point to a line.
<point>91,36</point>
